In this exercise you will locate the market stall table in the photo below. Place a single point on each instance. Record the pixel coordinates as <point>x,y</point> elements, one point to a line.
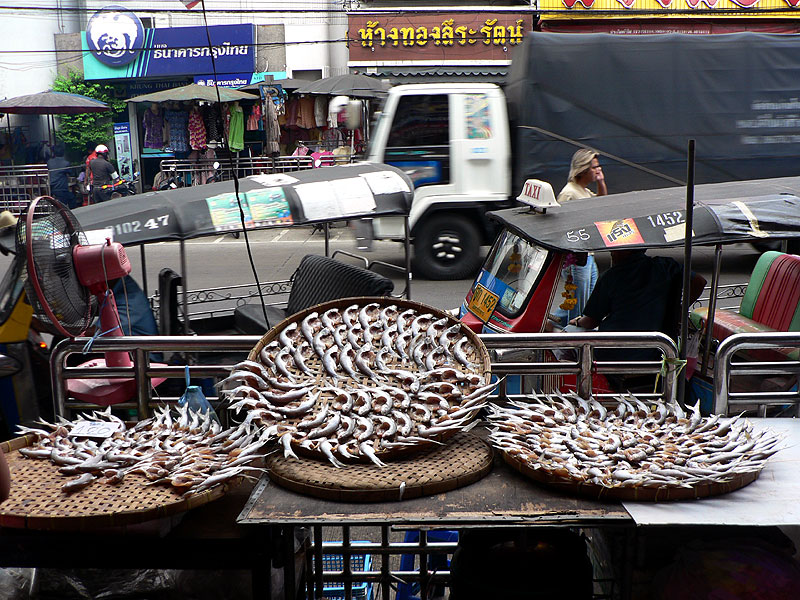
<point>506,498</point>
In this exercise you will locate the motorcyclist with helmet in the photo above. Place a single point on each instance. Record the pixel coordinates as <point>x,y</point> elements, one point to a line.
<point>103,174</point>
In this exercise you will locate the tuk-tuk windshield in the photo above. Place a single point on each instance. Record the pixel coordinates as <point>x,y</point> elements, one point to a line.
<point>511,270</point>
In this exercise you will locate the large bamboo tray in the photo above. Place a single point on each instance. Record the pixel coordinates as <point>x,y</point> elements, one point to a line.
<point>480,355</point>
<point>641,493</point>
<point>465,459</point>
<point>37,501</point>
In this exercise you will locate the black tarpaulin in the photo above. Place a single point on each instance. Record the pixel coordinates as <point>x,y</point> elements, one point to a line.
<point>723,213</point>
<point>276,200</point>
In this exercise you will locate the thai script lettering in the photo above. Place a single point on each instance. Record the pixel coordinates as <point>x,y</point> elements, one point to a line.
<point>446,34</point>
<point>224,49</point>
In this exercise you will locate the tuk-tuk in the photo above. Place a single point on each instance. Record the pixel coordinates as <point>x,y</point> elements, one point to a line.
<point>525,276</point>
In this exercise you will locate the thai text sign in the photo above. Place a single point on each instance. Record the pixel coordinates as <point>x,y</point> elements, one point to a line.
<point>438,36</point>
<point>181,51</point>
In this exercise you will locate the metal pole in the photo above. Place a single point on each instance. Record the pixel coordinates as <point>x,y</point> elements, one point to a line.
<point>327,239</point>
<point>407,246</point>
<point>144,269</point>
<point>185,291</point>
<point>712,307</point>
<point>687,266</point>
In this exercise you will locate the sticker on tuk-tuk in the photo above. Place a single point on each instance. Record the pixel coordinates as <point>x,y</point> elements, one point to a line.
<point>482,303</point>
<point>623,232</point>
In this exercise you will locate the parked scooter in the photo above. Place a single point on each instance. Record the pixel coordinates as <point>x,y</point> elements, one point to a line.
<point>172,181</point>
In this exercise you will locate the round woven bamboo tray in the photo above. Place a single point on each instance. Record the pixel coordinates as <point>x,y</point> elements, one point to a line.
<point>38,502</point>
<point>630,493</point>
<point>479,356</point>
<point>464,459</point>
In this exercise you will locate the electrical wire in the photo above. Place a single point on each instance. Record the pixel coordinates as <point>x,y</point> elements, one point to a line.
<point>233,172</point>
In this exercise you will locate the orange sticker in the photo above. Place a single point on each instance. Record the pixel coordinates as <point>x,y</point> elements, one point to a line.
<point>619,233</point>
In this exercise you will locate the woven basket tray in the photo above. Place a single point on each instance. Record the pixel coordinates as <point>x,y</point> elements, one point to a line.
<point>480,355</point>
<point>463,460</point>
<point>37,501</point>
<point>630,493</point>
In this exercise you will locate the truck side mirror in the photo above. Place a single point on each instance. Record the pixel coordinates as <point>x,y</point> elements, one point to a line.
<point>353,114</point>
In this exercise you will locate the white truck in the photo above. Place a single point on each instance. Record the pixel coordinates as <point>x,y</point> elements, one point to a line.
<point>636,99</point>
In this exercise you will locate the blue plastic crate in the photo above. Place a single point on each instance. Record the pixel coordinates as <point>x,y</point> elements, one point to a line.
<point>358,562</point>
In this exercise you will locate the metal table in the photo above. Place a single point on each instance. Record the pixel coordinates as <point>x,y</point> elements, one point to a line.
<point>505,498</point>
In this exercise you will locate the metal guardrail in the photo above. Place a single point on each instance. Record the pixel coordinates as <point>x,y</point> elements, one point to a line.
<point>504,349</point>
<point>725,368</point>
<point>196,171</point>
<point>20,184</point>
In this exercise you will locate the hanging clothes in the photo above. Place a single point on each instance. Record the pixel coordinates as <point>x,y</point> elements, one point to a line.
<point>213,122</point>
<point>272,128</point>
<point>153,124</point>
<point>235,127</point>
<point>197,129</point>
<point>321,111</point>
<point>305,113</point>
<point>254,120</point>
<point>178,127</point>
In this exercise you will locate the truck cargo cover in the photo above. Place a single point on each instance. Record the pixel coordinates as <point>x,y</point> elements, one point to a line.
<point>642,97</point>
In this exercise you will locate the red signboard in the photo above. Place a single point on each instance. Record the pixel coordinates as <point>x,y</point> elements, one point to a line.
<point>436,36</point>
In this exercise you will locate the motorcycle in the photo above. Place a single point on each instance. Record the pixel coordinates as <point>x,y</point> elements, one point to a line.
<point>172,181</point>
<point>122,187</point>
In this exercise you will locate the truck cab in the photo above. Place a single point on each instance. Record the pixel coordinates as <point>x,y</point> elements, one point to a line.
<point>453,141</point>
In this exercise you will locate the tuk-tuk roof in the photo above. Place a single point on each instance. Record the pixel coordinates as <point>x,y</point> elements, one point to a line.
<point>739,211</point>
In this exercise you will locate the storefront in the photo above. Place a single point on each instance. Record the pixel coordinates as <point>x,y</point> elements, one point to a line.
<point>118,50</point>
<point>669,16</point>
<point>420,47</point>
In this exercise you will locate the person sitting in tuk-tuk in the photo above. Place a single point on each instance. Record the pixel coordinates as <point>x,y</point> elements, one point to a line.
<point>638,293</point>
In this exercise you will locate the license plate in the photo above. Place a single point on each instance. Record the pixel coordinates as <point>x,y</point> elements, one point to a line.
<point>482,303</point>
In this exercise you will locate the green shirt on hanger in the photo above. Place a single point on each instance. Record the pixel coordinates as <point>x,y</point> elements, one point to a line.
<point>236,128</point>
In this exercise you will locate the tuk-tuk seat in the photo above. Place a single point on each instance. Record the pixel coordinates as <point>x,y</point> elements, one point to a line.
<point>317,279</point>
<point>771,303</point>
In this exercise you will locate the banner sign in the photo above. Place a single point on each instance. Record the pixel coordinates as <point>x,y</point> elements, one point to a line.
<point>122,141</point>
<point>237,80</point>
<point>168,51</point>
<point>437,36</point>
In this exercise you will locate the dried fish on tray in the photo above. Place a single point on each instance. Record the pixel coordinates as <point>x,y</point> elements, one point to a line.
<point>639,451</point>
<point>185,450</point>
<point>363,379</point>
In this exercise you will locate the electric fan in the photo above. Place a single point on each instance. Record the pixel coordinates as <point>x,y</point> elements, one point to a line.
<point>67,280</point>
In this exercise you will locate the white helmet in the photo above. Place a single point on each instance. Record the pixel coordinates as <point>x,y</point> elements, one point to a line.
<point>101,149</point>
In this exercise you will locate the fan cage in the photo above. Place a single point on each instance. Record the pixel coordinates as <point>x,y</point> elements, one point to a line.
<point>54,232</point>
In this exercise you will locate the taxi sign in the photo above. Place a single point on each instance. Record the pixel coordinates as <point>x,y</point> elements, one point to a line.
<point>538,194</point>
<point>482,303</point>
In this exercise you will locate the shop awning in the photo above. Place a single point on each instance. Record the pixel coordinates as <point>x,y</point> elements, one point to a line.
<point>483,74</point>
<point>195,92</point>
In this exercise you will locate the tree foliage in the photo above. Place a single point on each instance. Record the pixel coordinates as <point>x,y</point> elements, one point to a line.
<point>76,131</point>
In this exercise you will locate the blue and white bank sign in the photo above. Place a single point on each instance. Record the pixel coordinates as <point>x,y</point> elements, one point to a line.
<point>172,51</point>
<point>115,36</point>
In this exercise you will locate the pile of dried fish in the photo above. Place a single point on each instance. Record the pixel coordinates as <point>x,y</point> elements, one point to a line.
<point>365,382</point>
<point>188,451</point>
<point>638,445</point>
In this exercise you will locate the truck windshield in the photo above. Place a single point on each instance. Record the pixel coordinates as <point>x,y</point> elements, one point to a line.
<point>511,270</point>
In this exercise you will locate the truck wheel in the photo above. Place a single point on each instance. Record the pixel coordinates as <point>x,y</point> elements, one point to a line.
<point>447,246</point>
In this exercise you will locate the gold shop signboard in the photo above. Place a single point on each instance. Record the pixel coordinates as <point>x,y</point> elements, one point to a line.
<point>437,36</point>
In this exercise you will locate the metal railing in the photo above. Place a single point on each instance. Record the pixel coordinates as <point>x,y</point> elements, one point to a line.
<point>504,349</point>
<point>20,184</point>
<point>725,368</point>
<point>195,172</point>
